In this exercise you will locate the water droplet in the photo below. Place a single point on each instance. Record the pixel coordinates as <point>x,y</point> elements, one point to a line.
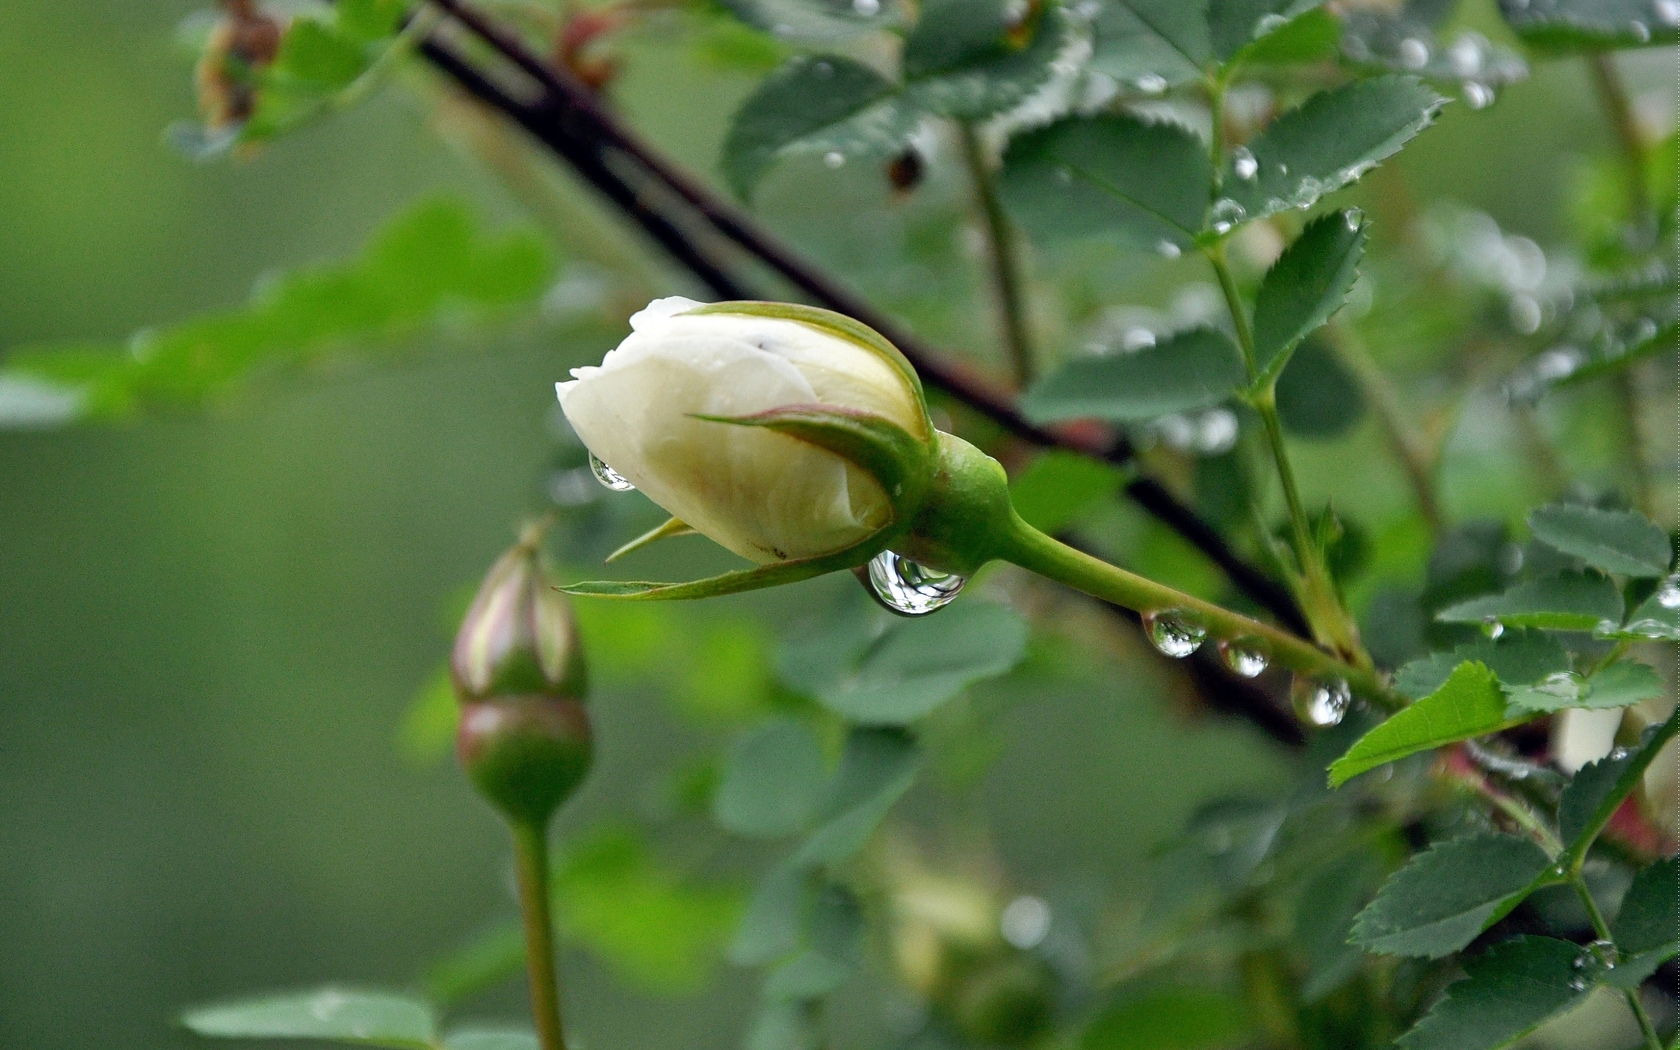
<point>1269,23</point>
<point>1216,432</point>
<point>1024,922</point>
<point>1479,95</point>
<point>1169,631</point>
<point>1577,984</point>
<point>1492,627</point>
<point>1246,658</point>
<point>823,70</point>
<point>910,589</point>
<point>1641,32</point>
<point>1668,593</point>
<point>866,8</point>
<point>1226,214</point>
<point>1525,314</point>
<point>1353,217</point>
<point>1564,685</point>
<point>1320,704</point>
<point>1668,12</point>
<point>1467,54</point>
<point>1063,176</point>
<point>1169,250</point>
<point>607,476</point>
<point>834,159</point>
<point>1244,164</point>
<point>1414,53</point>
<point>1618,754</point>
<point>1134,339</point>
<point>1151,84</point>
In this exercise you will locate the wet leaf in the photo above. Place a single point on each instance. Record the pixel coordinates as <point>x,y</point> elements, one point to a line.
<point>1622,684</point>
<point>972,58</point>
<point>1506,993</point>
<point>1193,369</point>
<point>1234,24</point>
<point>1468,704</point>
<point>337,1014</point>
<point>1599,787</point>
<point>1151,44</point>
<point>1447,895</point>
<point>1307,284</point>
<point>1590,25</point>
<point>1516,657</point>
<point>1566,601</point>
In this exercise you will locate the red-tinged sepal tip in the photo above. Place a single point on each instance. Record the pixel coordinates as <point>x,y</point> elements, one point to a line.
<point>525,754</point>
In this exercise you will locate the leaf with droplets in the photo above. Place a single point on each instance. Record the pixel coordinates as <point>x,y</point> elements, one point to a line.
<point>814,21</point>
<point>1617,541</point>
<point>1108,175</point>
<point>1599,787</point>
<point>1517,657</point>
<point>1563,26</point>
<point>1327,142</point>
<point>1308,283</point>
<point>1151,44</point>
<point>1447,895</point>
<point>1621,684</point>
<point>970,59</point>
<point>1193,369</point>
<point>337,1014</point>
<point>1506,993</point>
<point>1468,704</point>
<point>1235,24</point>
<point>1565,601</point>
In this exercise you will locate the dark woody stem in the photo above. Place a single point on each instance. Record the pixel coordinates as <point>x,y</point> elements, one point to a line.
<point>701,231</point>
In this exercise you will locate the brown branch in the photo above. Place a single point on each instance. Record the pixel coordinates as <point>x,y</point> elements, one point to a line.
<point>566,117</point>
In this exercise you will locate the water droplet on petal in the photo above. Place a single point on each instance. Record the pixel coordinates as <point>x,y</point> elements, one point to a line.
<point>1320,704</point>
<point>607,476</point>
<point>1172,633</point>
<point>1492,627</point>
<point>834,159</point>
<point>1245,657</point>
<point>910,589</point>
<point>1244,164</point>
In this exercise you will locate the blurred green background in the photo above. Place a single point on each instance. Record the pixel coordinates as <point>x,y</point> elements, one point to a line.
<point>210,626</point>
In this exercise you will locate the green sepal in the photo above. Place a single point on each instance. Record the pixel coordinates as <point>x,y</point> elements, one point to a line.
<point>834,324</point>
<point>740,580</point>
<point>674,527</point>
<point>881,448</point>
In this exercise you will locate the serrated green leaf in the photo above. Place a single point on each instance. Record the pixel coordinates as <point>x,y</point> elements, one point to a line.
<point>1599,787</point>
<point>1058,488</point>
<point>428,266</point>
<point>653,926</point>
<point>1105,176</point>
<point>490,1039</point>
<point>1565,601</point>
<point>1308,283</point>
<point>1234,24</point>
<point>1468,704</point>
<point>1517,657</point>
<point>1308,37</point>
<point>969,59</point>
<point>917,664</point>
<point>1447,895</point>
<point>1649,919</point>
<point>1506,993</point>
<point>812,21</point>
<point>1617,541</point>
<point>771,780</point>
<point>1657,618</point>
<point>876,768</point>
<point>1171,1019</point>
<point>337,1014</point>
<point>1192,369</point>
<point>814,104</point>
<point>1151,44</point>
<point>1622,684</point>
<point>1329,141</point>
<point>1590,25</point>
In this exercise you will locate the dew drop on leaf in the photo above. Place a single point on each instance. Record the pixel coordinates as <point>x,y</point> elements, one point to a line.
<point>607,476</point>
<point>1169,631</point>
<point>1244,164</point>
<point>909,589</point>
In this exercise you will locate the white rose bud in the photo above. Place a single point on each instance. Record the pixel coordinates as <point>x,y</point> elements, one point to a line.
<point>654,411</point>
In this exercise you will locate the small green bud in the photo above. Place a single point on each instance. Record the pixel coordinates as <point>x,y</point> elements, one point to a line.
<point>526,754</point>
<point>519,637</point>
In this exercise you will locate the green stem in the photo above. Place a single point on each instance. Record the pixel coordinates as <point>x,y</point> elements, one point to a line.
<point>1523,817</point>
<point>1002,255</point>
<point>1613,97</point>
<point>1409,447</point>
<point>530,847</point>
<point>1036,552</point>
<point>1602,930</point>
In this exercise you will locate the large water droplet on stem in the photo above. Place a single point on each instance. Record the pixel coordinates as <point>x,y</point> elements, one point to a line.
<point>1320,704</point>
<point>910,589</point>
<point>1246,658</point>
<point>607,476</point>
<point>1174,635</point>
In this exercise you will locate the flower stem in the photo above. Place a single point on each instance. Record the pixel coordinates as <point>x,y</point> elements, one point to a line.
<point>1602,930</point>
<point>1002,256</point>
<point>530,846</point>
<point>1033,550</point>
<point>1330,622</point>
